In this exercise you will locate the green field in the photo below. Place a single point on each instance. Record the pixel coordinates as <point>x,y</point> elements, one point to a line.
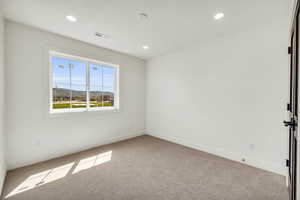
<point>67,105</point>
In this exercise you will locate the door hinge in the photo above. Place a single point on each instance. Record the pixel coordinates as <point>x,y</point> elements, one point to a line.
<point>288,107</point>
<point>287,162</point>
<point>289,50</point>
<point>292,124</point>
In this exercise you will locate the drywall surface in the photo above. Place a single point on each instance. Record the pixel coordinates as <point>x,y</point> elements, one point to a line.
<point>226,97</point>
<point>2,148</point>
<point>35,135</point>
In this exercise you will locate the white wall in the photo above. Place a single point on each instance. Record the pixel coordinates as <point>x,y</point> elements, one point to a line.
<point>33,134</point>
<point>2,157</point>
<point>226,97</point>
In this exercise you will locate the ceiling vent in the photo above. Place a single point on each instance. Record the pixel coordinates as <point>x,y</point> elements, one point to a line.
<point>101,35</point>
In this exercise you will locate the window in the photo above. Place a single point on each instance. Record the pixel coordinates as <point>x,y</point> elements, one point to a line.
<point>80,84</point>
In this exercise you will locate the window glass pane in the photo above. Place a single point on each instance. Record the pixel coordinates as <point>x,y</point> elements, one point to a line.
<point>78,84</point>
<point>60,83</point>
<point>96,85</point>
<point>69,83</point>
<point>72,84</point>
<point>108,85</point>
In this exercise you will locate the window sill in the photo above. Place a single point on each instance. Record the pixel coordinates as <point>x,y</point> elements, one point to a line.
<point>79,110</point>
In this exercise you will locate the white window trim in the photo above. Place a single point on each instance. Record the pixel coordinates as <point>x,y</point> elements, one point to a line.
<point>88,62</point>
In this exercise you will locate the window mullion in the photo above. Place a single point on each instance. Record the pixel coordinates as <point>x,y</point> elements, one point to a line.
<point>88,85</point>
<point>70,78</point>
<point>116,95</point>
<point>102,87</point>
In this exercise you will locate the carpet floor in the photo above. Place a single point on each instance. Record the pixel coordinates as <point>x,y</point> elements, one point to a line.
<point>142,168</point>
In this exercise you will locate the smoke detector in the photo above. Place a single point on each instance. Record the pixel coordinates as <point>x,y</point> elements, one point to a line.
<point>143,16</point>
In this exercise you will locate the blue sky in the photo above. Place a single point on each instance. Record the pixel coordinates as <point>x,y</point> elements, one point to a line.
<point>101,76</point>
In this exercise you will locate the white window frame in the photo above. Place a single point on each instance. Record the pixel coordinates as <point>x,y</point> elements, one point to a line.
<point>88,62</point>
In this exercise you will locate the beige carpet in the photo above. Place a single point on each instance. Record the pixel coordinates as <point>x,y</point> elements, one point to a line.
<point>143,168</point>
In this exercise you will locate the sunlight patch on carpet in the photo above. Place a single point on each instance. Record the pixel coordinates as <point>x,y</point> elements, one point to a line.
<point>93,161</point>
<point>42,178</point>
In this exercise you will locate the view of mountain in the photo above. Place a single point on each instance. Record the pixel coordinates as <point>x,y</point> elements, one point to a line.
<point>65,93</point>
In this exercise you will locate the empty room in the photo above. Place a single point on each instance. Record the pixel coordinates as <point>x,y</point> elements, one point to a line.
<point>149,100</point>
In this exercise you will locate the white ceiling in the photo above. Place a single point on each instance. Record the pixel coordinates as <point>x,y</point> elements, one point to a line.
<point>172,24</point>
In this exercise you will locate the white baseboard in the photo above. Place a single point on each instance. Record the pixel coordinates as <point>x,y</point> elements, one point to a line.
<point>103,142</point>
<point>254,162</point>
<point>2,183</point>
<point>118,139</point>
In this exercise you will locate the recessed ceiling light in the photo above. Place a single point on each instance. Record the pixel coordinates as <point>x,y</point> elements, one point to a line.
<point>71,18</point>
<point>219,15</point>
<point>145,47</point>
